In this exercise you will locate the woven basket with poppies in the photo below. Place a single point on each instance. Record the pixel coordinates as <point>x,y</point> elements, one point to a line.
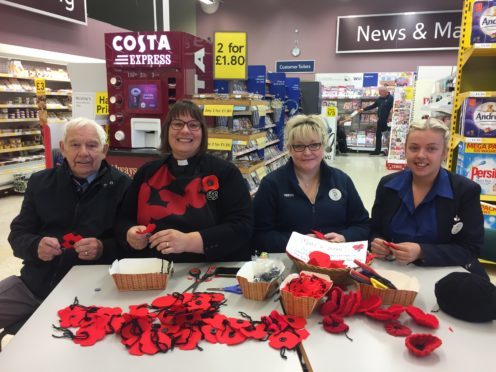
<point>140,282</point>
<point>340,276</point>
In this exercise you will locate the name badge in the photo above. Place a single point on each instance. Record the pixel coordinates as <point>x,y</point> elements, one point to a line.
<point>335,194</point>
<point>457,227</point>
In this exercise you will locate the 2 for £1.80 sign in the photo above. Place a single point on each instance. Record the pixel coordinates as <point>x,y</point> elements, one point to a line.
<point>230,55</point>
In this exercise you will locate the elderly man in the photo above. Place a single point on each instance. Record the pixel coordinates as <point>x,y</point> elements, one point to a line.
<point>66,219</point>
<point>384,105</point>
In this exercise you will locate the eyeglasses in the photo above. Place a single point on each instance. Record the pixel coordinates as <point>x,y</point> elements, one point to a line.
<point>312,147</point>
<point>193,125</point>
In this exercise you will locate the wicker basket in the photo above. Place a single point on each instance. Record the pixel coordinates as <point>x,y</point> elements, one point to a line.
<point>388,296</point>
<point>142,274</point>
<point>300,306</point>
<point>140,282</point>
<point>338,276</point>
<point>256,291</point>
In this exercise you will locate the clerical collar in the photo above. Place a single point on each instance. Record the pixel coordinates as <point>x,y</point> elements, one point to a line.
<point>182,162</point>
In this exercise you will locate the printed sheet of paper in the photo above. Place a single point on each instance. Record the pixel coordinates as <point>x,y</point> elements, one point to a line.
<point>300,246</point>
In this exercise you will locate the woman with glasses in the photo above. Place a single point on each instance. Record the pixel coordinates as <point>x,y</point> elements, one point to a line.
<point>306,194</point>
<point>189,206</point>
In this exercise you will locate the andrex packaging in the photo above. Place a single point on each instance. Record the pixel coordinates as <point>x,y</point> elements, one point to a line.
<point>484,22</point>
<point>478,117</point>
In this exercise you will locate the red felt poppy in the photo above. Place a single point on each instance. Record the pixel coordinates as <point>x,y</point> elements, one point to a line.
<point>334,324</point>
<point>422,345</point>
<point>237,323</point>
<point>209,333</point>
<point>69,239</point>
<point>140,311</point>
<point>88,336</point>
<point>319,235</point>
<point>230,336</point>
<point>370,257</point>
<point>395,309</point>
<point>295,322</point>
<point>210,183</point>
<point>147,346</point>
<point>369,304</point>
<point>382,315</point>
<point>148,230</point>
<point>319,259</point>
<point>218,321</point>
<point>302,333</point>
<point>278,320</point>
<point>200,301</point>
<point>71,316</point>
<point>308,286</point>
<point>257,332</point>
<point>421,318</point>
<point>165,301</point>
<point>191,338</point>
<point>397,329</point>
<point>284,339</point>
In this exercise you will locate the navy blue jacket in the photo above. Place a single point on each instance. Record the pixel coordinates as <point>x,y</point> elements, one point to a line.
<point>384,106</point>
<point>455,249</point>
<point>52,207</point>
<point>282,207</point>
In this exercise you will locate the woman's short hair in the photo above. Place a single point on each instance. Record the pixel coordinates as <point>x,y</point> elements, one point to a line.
<point>303,127</point>
<point>433,124</point>
<point>183,107</point>
<point>81,122</point>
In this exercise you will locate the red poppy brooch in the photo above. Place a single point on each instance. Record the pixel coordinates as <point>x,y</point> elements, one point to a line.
<point>210,186</point>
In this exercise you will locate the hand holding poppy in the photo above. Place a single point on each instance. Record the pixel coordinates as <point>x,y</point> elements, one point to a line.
<point>48,248</point>
<point>379,248</point>
<point>89,249</point>
<point>135,238</point>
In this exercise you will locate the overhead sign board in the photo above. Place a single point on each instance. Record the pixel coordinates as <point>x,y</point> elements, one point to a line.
<point>67,10</point>
<point>395,32</point>
<point>295,66</point>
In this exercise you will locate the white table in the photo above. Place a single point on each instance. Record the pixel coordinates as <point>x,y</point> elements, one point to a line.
<point>34,348</point>
<point>468,347</point>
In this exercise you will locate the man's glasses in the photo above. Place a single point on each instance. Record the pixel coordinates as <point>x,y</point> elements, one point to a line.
<point>178,124</point>
<point>312,147</point>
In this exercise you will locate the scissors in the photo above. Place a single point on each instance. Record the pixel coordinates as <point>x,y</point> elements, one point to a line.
<point>231,289</point>
<point>195,273</point>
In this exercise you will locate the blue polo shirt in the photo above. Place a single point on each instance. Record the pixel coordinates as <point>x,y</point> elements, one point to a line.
<point>419,225</point>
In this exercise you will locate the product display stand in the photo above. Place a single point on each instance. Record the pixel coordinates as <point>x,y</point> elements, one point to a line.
<point>22,143</point>
<point>472,151</point>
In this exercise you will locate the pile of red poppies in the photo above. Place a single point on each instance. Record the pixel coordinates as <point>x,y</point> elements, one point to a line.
<point>177,321</point>
<point>308,286</point>
<point>340,305</point>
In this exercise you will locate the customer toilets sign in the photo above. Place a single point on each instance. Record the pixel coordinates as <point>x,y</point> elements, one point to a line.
<point>67,10</point>
<point>395,32</point>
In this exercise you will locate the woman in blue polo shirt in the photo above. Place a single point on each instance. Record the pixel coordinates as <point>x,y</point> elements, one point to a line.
<point>432,217</point>
<point>306,194</point>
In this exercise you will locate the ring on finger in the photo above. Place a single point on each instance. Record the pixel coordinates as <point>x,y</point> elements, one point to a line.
<point>86,253</point>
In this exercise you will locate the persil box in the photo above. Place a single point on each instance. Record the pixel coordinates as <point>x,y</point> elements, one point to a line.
<point>478,117</point>
<point>477,161</point>
<point>484,22</point>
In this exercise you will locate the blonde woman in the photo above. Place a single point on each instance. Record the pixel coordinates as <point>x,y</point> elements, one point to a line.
<point>432,217</point>
<point>306,194</point>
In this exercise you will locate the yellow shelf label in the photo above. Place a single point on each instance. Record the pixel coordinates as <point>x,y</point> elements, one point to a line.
<point>230,55</point>
<point>262,110</point>
<point>331,111</point>
<point>223,144</point>
<point>40,85</point>
<point>218,110</point>
<point>101,103</point>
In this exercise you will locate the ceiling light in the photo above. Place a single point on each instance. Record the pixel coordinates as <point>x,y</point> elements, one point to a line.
<point>208,2</point>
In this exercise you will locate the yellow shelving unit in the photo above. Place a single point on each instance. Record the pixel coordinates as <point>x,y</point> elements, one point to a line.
<point>475,77</point>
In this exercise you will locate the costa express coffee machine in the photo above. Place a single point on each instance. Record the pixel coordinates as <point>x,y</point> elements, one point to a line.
<point>146,73</point>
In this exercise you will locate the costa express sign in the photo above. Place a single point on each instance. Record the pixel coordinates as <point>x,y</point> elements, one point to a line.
<point>143,49</point>
<point>67,10</point>
<point>399,32</point>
